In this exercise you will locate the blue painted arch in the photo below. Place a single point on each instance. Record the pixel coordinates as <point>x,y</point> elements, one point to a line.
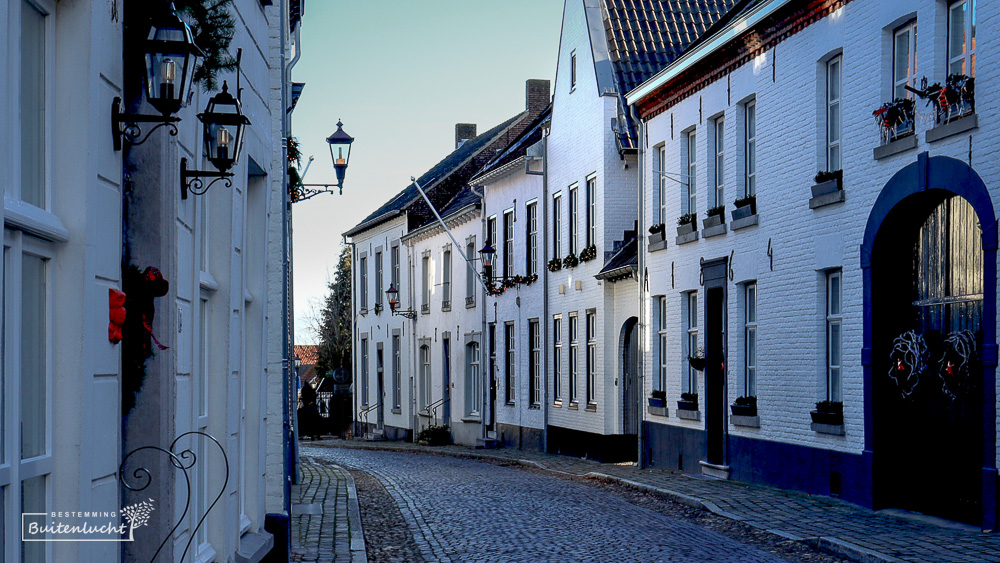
<point>954,176</point>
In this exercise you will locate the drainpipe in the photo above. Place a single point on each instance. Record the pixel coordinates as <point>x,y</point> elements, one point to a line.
<point>545,285</point>
<point>641,266</point>
<point>483,344</point>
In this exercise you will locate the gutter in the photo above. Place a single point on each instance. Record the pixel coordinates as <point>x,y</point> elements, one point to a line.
<point>694,56</point>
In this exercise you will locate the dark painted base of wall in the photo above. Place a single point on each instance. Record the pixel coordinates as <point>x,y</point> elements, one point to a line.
<point>391,433</point>
<point>279,526</point>
<point>612,448</point>
<point>520,437</point>
<point>812,470</point>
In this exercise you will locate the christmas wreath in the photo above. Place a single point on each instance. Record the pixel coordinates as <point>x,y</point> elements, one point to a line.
<point>554,265</point>
<point>588,254</point>
<point>908,361</point>
<point>571,261</point>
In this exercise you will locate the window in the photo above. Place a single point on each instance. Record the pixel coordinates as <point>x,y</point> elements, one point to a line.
<point>833,83</point>
<point>531,213</point>
<point>661,381</point>
<point>509,338</point>
<point>473,379</point>
<point>750,152</point>
<point>557,225</point>
<point>962,37</point>
<point>573,341</point>
<point>691,200</point>
<point>446,280</point>
<point>396,375</point>
<point>425,377</point>
<point>557,358</point>
<point>690,383</point>
<point>470,275</point>
<point>661,160</point>
<point>833,334</point>
<point>508,243</point>
<point>591,357</point>
<point>425,287</point>
<point>378,278</point>
<point>574,219</point>
<point>720,159</point>
<point>394,259</point>
<point>363,376</point>
<point>363,282</point>
<point>31,103</point>
<point>535,367</point>
<point>591,211</point>
<point>572,70</point>
<point>904,59</point>
<point>750,339</point>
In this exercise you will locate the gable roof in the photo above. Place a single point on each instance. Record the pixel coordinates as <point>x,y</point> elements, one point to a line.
<point>519,146</point>
<point>623,262</point>
<point>640,38</point>
<point>434,177</point>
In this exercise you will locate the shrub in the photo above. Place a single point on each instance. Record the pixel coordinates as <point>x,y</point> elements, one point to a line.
<point>658,394</point>
<point>434,436</point>
<point>827,175</point>
<point>717,210</point>
<point>750,401</point>
<point>686,219</point>
<point>692,397</point>
<point>833,407</point>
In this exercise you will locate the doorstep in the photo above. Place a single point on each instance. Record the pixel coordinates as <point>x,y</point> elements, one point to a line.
<point>713,470</point>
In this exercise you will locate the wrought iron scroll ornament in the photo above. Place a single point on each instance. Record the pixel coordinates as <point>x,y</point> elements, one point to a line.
<point>126,125</point>
<point>909,361</point>
<point>770,255</point>
<point>191,180</point>
<point>140,478</point>
<point>954,365</point>
<point>732,274</point>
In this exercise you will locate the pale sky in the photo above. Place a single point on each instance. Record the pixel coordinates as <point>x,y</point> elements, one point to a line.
<point>400,74</point>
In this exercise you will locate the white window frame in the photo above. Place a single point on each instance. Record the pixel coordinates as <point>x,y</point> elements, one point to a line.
<point>574,360</point>
<point>364,371</point>
<point>592,357</point>
<point>750,339</point>
<point>691,197</point>
<point>834,334</point>
<point>690,383</point>
<point>394,258</point>
<point>425,283</point>
<point>473,378</point>
<point>508,243</point>
<point>909,76</point>
<point>510,362</point>
<point>531,214</point>
<point>426,392</point>
<point>967,58</point>
<point>661,217</point>
<point>557,225</point>
<point>834,113</point>
<point>470,276</point>
<point>535,362</point>
<point>574,219</point>
<point>720,161</point>
<point>397,366</point>
<point>661,381</point>
<point>446,279</point>
<point>378,278</point>
<point>750,148</point>
<point>557,359</point>
<point>363,281</point>
<point>592,210</point>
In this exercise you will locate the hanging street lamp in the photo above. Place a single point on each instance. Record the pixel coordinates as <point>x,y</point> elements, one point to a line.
<point>223,123</point>
<point>340,153</point>
<point>171,57</point>
<point>393,296</point>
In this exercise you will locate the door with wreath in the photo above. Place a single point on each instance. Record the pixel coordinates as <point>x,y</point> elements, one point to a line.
<point>927,309</point>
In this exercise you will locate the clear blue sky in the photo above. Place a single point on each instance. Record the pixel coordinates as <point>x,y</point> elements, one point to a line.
<point>400,74</point>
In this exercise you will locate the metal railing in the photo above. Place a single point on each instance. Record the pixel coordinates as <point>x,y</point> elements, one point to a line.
<point>432,408</point>
<point>365,412</point>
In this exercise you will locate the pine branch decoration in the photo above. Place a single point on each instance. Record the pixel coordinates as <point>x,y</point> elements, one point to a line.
<point>213,27</point>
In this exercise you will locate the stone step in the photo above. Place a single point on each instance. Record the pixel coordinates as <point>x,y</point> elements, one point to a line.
<point>486,444</point>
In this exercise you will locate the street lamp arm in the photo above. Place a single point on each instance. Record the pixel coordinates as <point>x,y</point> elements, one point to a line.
<point>668,175</point>
<point>451,236</point>
<point>307,191</point>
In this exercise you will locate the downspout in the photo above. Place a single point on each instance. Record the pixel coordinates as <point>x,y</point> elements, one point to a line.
<point>641,293</point>
<point>411,409</point>
<point>545,285</point>
<point>483,345</point>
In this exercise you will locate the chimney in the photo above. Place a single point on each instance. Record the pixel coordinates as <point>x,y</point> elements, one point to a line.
<point>536,94</point>
<point>464,132</point>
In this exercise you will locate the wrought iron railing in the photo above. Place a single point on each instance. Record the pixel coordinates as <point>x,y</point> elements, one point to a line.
<point>432,408</point>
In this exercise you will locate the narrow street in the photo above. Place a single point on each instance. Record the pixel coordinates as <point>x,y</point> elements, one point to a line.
<point>462,510</point>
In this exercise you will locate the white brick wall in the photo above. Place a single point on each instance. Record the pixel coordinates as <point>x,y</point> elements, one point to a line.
<point>805,242</point>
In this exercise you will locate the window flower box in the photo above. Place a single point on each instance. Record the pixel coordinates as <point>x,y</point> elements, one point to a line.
<point>688,402</point>
<point>657,233</point>
<point>744,406</point>
<point>686,224</point>
<point>828,182</point>
<point>658,398</point>
<point>716,216</point>
<point>828,412</point>
<point>554,265</point>
<point>745,207</point>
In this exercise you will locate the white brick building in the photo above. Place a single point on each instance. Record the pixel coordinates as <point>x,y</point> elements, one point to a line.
<point>835,276</point>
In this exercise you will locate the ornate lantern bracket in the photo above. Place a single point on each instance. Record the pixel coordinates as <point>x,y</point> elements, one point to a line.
<point>193,180</point>
<point>126,125</point>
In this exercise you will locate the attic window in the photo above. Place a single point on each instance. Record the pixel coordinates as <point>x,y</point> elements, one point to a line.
<point>572,70</point>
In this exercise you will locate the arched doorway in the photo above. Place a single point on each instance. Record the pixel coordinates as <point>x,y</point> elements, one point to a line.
<point>930,343</point>
<point>630,377</point>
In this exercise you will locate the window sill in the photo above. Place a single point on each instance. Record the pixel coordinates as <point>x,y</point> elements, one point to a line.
<point>446,306</point>
<point>658,245</point>
<point>534,407</point>
<point>658,411</point>
<point>363,311</point>
<point>557,403</point>
<point>472,418</point>
<point>956,126</point>
<point>714,231</point>
<point>470,304</point>
<point>745,421</point>
<point>509,404</point>
<point>897,146</point>
<point>832,429</point>
<point>396,410</point>
<point>591,407</point>
<point>574,406</point>
<point>688,415</point>
<point>685,239</point>
<point>826,199</point>
<point>33,220</point>
<point>424,414</point>
<point>744,222</point>
<point>425,309</point>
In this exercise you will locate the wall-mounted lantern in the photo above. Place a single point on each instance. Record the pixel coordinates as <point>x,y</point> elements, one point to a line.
<point>393,295</point>
<point>340,154</point>
<point>170,57</point>
<point>223,123</point>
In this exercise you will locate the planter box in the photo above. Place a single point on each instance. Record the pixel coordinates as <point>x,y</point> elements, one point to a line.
<point>689,415</point>
<point>744,212</point>
<point>685,229</point>
<point>830,418</point>
<point>712,221</point>
<point>659,411</point>
<point>745,421</point>
<point>687,405</point>
<point>743,410</point>
<point>895,146</point>
<point>954,127</point>
<point>827,187</point>
<point>656,237</point>
<point>697,363</point>
<point>657,402</point>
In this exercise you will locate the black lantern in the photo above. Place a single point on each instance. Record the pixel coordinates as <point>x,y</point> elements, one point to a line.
<point>340,151</point>
<point>487,253</point>
<point>392,294</point>
<point>224,123</point>
<point>171,57</point>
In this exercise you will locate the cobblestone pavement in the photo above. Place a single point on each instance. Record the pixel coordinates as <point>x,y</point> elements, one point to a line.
<point>325,517</point>
<point>835,526</point>
<point>460,510</point>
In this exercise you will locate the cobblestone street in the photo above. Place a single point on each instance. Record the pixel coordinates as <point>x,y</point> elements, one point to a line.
<point>462,510</point>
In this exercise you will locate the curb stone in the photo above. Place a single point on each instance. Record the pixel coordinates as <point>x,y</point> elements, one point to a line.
<point>359,553</point>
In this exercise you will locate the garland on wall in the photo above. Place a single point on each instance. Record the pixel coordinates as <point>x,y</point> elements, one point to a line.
<point>910,362</point>
<point>140,287</point>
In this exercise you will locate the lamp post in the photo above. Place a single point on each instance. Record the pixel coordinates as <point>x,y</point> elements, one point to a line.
<point>340,153</point>
<point>223,124</point>
<point>170,56</point>
<point>393,296</point>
